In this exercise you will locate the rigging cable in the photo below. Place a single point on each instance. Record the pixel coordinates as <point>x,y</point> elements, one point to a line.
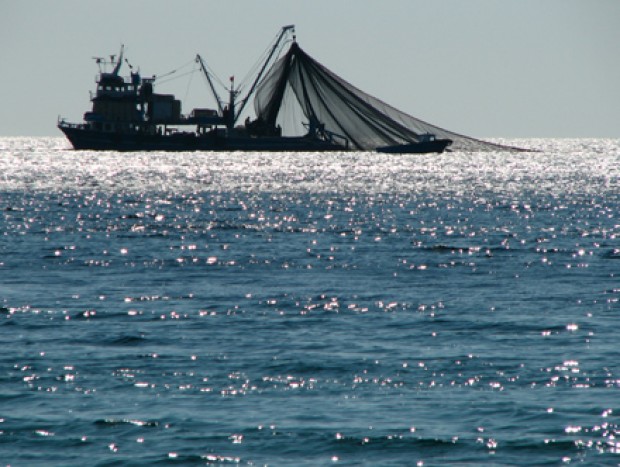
<point>248,78</point>
<point>191,72</point>
<point>157,77</point>
<point>189,82</point>
<point>254,68</point>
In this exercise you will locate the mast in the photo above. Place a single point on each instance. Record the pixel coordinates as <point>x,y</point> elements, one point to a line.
<point>230,116</point>
<point>283,31</point>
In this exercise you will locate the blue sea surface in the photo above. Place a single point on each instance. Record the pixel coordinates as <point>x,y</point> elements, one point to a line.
<point>310,309</point>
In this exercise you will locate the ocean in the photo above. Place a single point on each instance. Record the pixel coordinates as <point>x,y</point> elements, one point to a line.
<point>310,309</point>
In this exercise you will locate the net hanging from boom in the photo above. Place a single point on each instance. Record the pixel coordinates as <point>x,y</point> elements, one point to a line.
<point>299,85</point>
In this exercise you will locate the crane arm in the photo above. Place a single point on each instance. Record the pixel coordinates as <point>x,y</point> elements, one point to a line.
<point>208,76</point>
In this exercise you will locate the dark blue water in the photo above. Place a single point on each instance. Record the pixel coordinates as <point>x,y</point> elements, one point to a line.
<point>346,309</point>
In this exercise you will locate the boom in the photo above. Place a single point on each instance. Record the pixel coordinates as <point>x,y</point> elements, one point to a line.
<point>283,32</point>
<point>208,76</point>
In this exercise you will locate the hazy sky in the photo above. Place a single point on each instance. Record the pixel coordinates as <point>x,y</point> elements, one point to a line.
<point>485,68</point>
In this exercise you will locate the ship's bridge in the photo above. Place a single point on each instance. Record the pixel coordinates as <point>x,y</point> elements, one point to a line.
<point>112,85</point>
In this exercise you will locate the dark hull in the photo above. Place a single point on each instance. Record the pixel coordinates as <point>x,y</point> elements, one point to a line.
<point>85,139</point>
<point>422,147</point>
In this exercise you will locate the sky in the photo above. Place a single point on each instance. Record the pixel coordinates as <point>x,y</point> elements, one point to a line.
<point>483,68</point>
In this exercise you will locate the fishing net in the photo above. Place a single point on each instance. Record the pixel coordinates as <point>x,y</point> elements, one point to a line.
<point>298,88</point>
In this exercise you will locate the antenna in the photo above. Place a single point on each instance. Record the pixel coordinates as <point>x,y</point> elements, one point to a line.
<point>99,61</point>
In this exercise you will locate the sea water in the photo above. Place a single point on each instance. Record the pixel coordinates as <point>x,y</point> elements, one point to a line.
<point>310,309</point>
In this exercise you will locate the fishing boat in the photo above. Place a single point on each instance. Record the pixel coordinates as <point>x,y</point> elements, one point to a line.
<point>128,115</point>
<point>426,143</point>
<point>299,105</point>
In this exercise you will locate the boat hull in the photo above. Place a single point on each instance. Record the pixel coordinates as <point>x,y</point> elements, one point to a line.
<point>422,147</point>
<point>86,139</point>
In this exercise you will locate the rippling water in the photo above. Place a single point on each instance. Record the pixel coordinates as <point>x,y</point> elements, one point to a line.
<point>309,309</point>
